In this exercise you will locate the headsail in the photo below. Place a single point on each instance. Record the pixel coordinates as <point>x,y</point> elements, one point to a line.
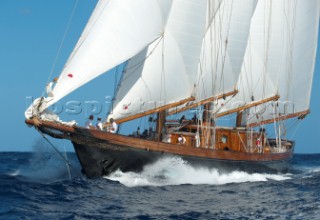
<point>116,31</point>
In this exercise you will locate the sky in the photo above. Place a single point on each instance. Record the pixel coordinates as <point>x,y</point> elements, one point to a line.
<point>34,45</point>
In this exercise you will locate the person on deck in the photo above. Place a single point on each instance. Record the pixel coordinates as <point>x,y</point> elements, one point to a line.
<point>197,139</point>
<point>113,127</point>
<point>181,139</point>
<point>259,145</point>
<point>88,124</point>
<point>50,85</point>
<point>99,124</point>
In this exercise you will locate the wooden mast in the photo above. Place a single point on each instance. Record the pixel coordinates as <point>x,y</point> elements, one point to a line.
<point>203,102</point>
<point>239,119</point>
<point>301,115</point>
<point>160,123</point>
<point>252,104</point>
<point>156,110</point>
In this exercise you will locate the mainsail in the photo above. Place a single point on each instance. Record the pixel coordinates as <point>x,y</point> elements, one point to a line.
<point>279,60</point>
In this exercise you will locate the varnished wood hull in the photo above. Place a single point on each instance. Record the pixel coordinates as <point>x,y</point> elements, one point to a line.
<point>102,153</point>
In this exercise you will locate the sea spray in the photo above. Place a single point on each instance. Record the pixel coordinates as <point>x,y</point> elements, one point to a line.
<point>46,166</point>
<point>176,171</point>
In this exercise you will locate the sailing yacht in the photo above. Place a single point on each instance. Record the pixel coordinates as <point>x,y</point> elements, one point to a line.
<point>251,62</point>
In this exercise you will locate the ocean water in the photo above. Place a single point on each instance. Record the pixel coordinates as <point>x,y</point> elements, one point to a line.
<point>39,185</point>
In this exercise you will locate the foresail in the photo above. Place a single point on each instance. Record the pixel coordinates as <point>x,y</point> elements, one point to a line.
<point>164,72</point>
<point>116,31</point>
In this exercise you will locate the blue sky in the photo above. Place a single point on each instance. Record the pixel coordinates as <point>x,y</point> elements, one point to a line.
<point>31,33</point>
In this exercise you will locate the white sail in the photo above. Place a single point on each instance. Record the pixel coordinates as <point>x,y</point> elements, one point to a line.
<point>164,72</point>
<point>295,87</point>
<point>279,59</point>
<point>116,31</point>
<point>264,56</point>
<point>224,47</point>
<point>293,59</point>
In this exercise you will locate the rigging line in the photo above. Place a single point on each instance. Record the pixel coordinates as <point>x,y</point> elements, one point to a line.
<point>85,34</point>
<point>291,48</point>
<point>226,49</point>
<point>213,16</point>
<point>218,47</point>
<point>201,91</point>
<point>144,59</point>
<point>266,61</point>
<point>118,82</point>
<point>136,66</point>
<point>66,156</point>
<point>62,42</point>
<point>163,76</point>
<point>56,150</point>
<point>299,122</point>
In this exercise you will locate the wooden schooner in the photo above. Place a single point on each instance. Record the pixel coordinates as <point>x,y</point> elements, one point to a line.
<point>250,61</point>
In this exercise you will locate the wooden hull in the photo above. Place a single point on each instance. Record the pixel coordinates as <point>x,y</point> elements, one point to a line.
<point>102,153</point>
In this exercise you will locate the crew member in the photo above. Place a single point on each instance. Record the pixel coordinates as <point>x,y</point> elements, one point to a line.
<point>181,139</point>
<point>113,127</point>
<point>50,86</point>
<point>89,122</point>
<point>99,124</point>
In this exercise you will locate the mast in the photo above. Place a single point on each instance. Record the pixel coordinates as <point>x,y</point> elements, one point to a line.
<point>161,118</point>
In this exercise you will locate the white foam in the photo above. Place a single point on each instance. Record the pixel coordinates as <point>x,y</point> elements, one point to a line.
<point>175,171</point>
<point>15,173</point>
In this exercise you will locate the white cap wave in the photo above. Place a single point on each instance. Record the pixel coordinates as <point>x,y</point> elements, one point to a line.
<point>176,171</point>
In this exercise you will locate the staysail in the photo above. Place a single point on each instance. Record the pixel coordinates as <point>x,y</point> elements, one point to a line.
<point>164,72</point>
<point>113,35</point>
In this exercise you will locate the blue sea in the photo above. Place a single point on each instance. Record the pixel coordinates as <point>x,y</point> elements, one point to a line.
<point>39,185</point>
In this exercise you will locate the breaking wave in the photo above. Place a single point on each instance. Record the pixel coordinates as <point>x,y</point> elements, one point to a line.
<point>176,171</point>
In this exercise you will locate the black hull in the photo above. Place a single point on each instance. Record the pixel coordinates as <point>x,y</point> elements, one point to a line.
<point>101,153</point>
<point>99,161</point>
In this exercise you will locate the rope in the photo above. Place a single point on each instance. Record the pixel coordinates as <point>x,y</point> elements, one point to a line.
<point>62,42</point>
<point>57,151</point>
